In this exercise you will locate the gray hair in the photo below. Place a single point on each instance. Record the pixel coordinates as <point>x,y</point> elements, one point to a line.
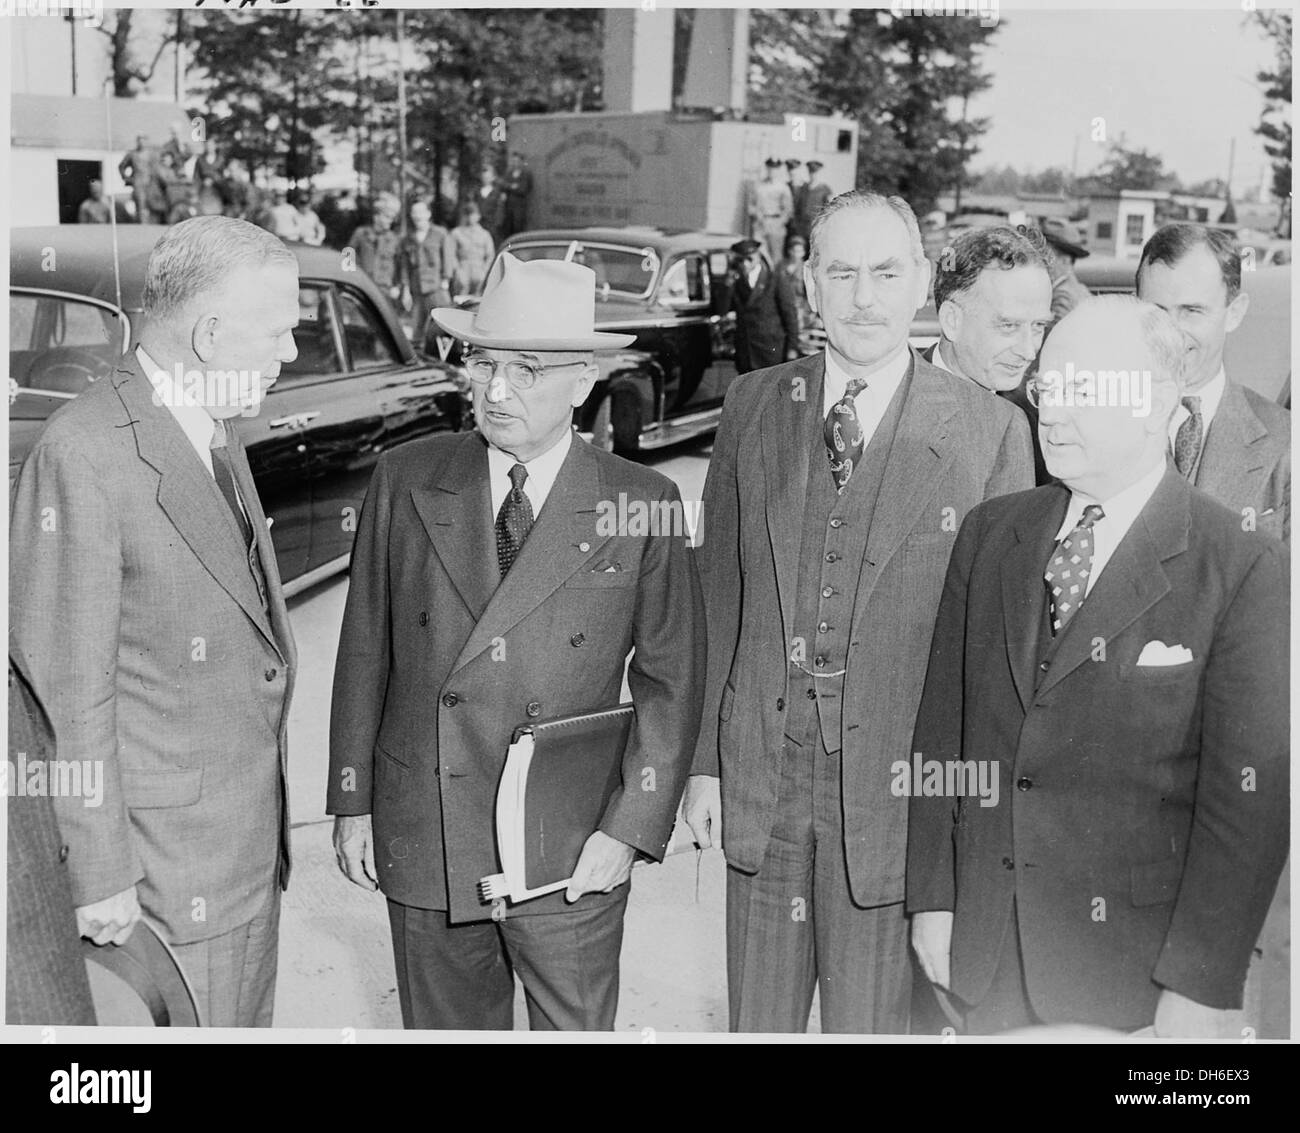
<point>195,257</point>
<point>861,199</point>
<point>1160,334</point>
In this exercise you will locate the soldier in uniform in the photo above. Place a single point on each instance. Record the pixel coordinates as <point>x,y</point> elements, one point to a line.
<point>770,210</point>
<point>810,201</point>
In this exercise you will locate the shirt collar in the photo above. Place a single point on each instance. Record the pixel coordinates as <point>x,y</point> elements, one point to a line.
<point>542,470</point>
<point>190,415</point>
<point>1123,507</point>
<point>882,384</point>
<point>1211,394</point>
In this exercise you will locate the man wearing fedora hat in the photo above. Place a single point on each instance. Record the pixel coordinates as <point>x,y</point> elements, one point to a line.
<point>489,590</point>
<point>1065,242</point>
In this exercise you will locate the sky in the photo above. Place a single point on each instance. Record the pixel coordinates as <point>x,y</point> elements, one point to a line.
<point>1177,83</point>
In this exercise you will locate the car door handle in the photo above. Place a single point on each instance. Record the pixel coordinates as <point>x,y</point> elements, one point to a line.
<point>295,420</point>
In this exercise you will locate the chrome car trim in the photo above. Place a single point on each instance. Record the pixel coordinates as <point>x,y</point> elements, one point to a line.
<point>315,575</point>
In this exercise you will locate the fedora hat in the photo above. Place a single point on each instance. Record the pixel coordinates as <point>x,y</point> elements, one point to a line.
<point>533,305</point>
<point>138,982</point>
<point>1062,234</point>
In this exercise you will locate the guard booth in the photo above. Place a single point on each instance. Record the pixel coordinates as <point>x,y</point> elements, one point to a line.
<point>664,168</point>
<point>58,144</point>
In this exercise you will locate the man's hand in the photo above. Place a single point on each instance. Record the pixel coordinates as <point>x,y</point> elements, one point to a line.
<point>932,940</point>
<point>1178,1017</point>
<point>354,847</point>
<point>111,920</point>
<point>604,863</point>
<point>702,809</point>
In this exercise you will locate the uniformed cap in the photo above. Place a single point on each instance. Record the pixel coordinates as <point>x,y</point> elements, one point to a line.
<point>792,163</point>
<point>773,162</point>
<point>745,247</point>
<point>813,166</point>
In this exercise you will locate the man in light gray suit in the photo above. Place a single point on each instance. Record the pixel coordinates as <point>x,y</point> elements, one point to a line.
<point>144,595</point>
<point>833,499</point>
<point>1235,446</point>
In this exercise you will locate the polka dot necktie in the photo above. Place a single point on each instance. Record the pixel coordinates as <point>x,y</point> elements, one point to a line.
<point>845,439</point>
<point>1187,442</point>
<point>1068,569</point>
<point>513,520</point>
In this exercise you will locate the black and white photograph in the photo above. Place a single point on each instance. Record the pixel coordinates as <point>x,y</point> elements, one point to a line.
<point>673,524</point>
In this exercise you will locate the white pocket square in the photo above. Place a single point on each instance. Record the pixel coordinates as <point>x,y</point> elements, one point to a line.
<point>1157,653</point>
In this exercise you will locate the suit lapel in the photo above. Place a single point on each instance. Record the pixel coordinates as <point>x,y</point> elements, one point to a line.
<point>1229,461</point>
<point>917,456</point>
<point>786,442</point>
<point>562,538</point>
<point>1023,588</point>
<point>457,516</point>
<point>1133,581</point>
<point>189,495</point>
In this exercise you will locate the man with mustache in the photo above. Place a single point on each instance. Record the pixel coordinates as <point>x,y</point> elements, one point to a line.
<point>833,498</point>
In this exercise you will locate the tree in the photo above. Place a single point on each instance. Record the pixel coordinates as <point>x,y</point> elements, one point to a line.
<point>1275,120</point>
<point>1126,167</point>
<point>127,72</point>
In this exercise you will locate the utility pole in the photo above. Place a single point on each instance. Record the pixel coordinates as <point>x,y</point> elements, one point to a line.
<point>401,117</point>
<point>72,29</point>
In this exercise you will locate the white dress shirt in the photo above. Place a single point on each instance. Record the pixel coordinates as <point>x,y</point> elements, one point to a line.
<point>542,471</point>
<point>1210,394</point>
<point>872,402</point>
<point>1119,513</point>
<point>194,420</point>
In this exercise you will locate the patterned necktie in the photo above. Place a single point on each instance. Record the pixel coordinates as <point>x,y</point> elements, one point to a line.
<point>224,474</point>
<point>1187,444</point>
<point>513,520</point>
<point>845,440</point>
<point>1068,569</point>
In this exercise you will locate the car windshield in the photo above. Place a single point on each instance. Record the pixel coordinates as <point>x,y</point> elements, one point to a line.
<point>627,270</point>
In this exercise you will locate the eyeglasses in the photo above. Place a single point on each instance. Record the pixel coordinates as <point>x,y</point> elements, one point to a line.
<point>520,375</point>
<point>1056,393</point>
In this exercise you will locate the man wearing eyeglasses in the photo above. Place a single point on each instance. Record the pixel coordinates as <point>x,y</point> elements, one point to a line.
<point>1111,652</point>
<point>488,591</point>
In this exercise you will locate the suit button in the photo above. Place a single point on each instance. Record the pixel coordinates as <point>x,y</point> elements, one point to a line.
<point>424,618</point>
<point>450,700</point>
<point>827,591</point>
<point>269,674</point>
<point>832,557</point>
<point>1008,863</point>
<point>820,662</point>
<point>63,853</point>
<point>576,640</point>
<point>780,703</point>
<point>822,627</point>
<point>1044,666</point>
<point>811,694</point>
<point>837,522</point>
<point>1024,784</point>
<point>534,709</point>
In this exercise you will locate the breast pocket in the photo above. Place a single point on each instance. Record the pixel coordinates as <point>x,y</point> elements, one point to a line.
<point>1140,675</point>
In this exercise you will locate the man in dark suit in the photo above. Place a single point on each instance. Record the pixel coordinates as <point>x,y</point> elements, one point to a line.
<point>1110,665</point>
<point>767,314</point>
<point>832,502</point>
<point>458,629</point>
<point>145,597</point>
<point>517,192</point>
<point>1235,446</point>
<point>993,295</point>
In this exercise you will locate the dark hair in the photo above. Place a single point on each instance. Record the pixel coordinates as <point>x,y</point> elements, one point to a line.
<point>1172,242</point>
<point>970,253</point>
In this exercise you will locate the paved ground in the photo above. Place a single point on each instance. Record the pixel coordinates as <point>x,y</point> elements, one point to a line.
<point>336,966</point>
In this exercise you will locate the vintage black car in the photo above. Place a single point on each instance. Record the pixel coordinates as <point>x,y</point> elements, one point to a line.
<point>355,389</point>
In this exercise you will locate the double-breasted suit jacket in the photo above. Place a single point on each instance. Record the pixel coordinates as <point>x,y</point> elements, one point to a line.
<point>440,659</point>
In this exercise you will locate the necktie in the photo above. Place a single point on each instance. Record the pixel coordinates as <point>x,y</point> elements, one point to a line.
<point>513,520</point>
<point>1187,444</point>
<point>1068,569</point>
<point>845,440</point>
<point>223,472</point>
